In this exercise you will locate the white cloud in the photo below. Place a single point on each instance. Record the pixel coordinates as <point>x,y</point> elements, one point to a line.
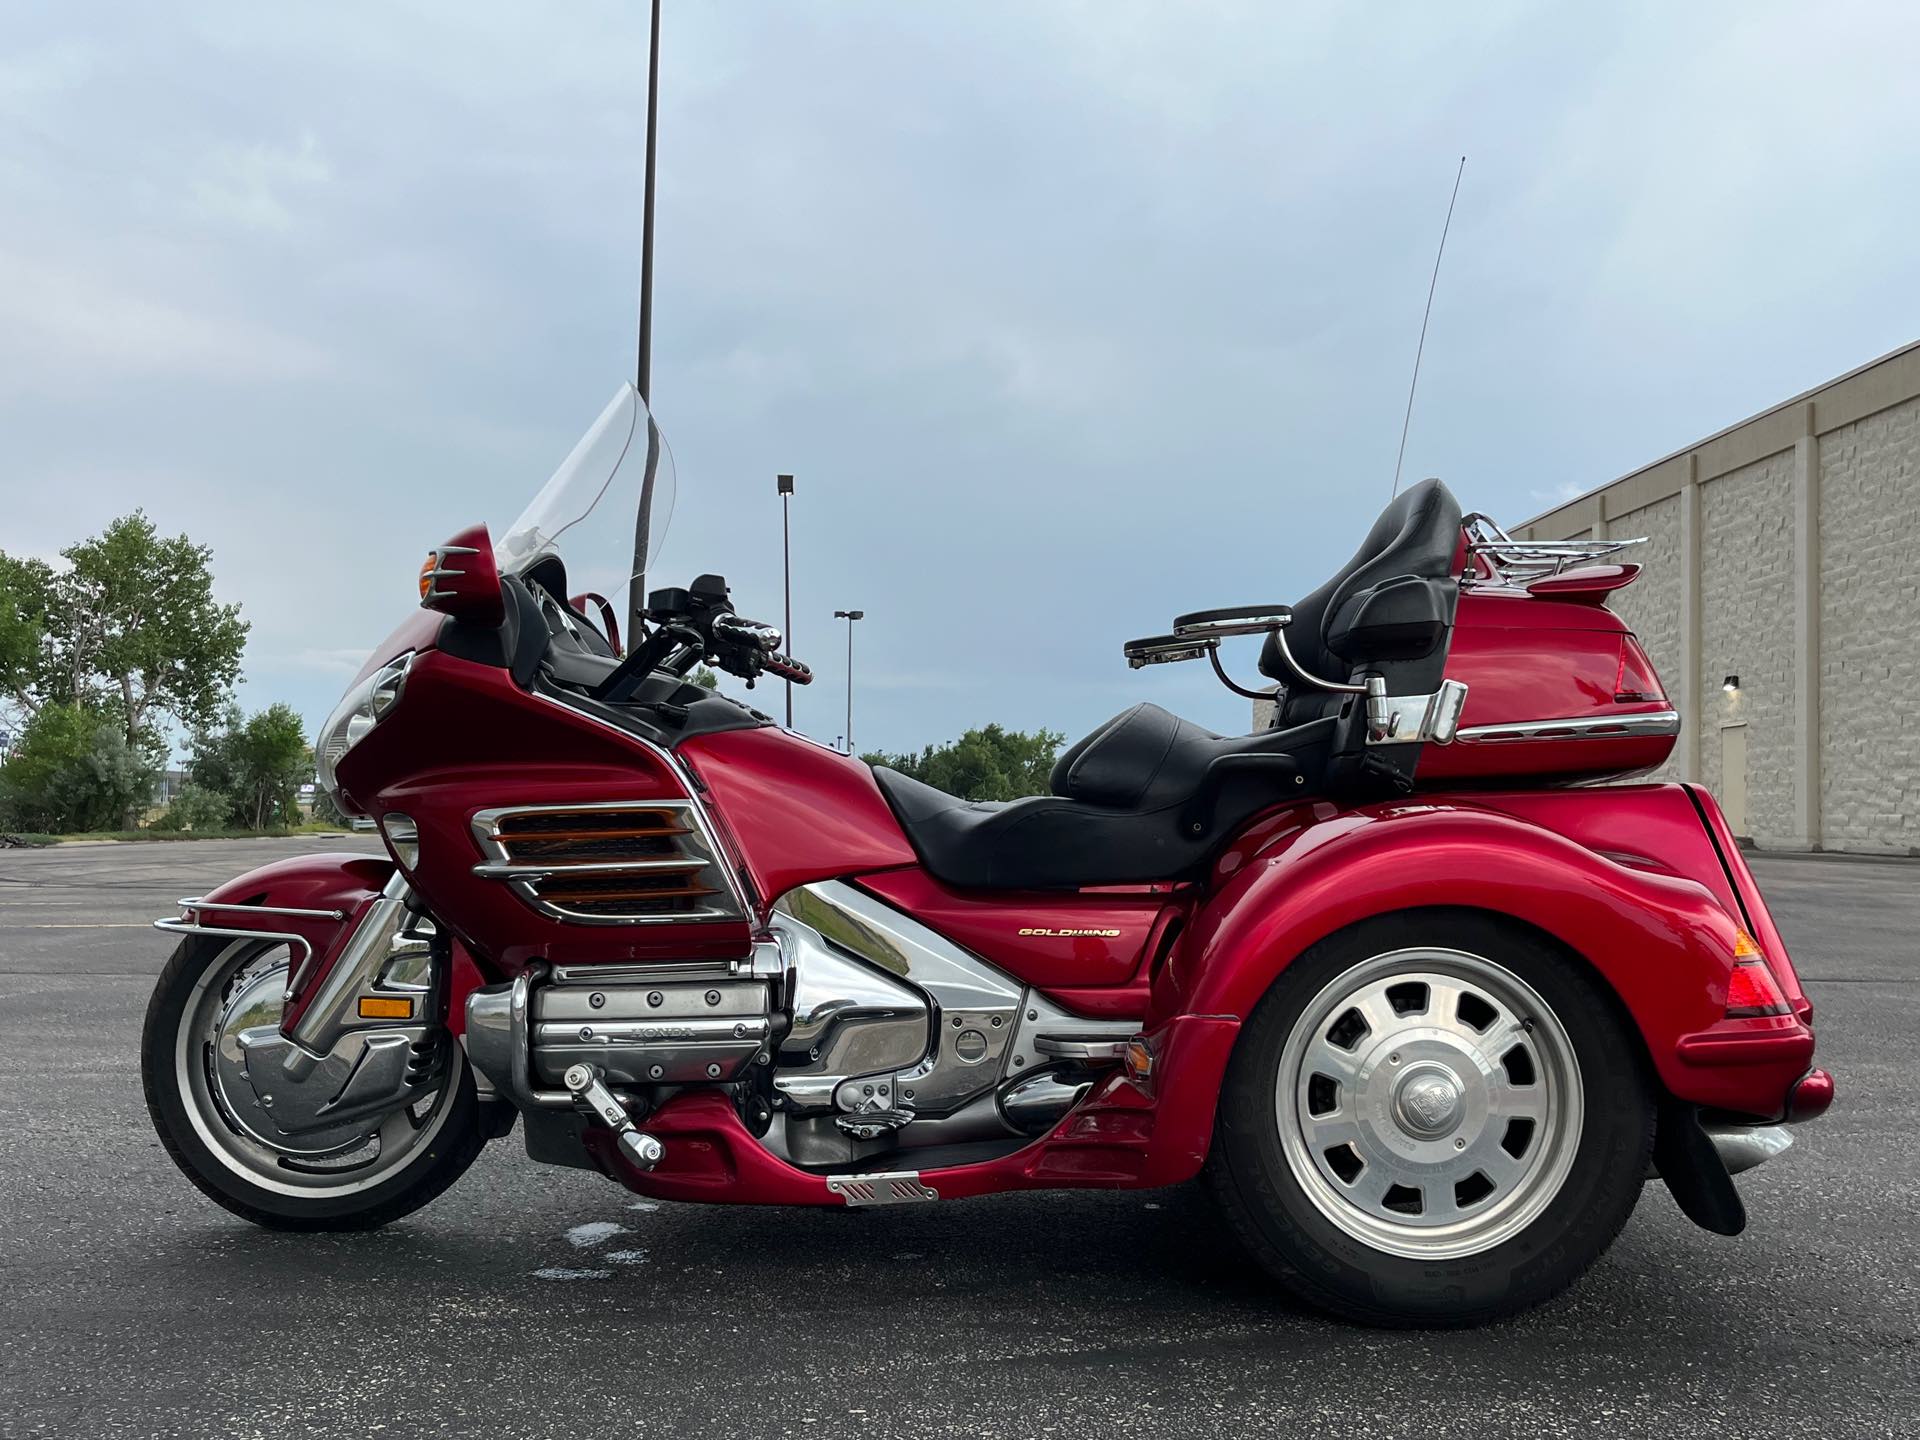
<point>65,326</point>
<point>255,186</point>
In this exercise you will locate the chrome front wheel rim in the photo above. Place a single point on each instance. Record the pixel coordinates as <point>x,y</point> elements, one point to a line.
<point>1429,1103</point>
<point>240,991</point>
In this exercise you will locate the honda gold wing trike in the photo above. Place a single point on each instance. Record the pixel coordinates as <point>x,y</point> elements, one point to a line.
<point>1425,1006</point>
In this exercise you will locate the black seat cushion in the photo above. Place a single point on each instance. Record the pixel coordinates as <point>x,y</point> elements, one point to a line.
<point>1148,797</point>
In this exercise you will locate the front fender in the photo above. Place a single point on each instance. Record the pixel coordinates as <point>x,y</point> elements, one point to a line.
<point>342,886</point>
<point>1663,942</point>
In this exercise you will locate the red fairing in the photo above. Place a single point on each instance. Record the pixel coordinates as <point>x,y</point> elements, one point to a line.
<point>467,739</point>
<point>419,631</point>
<point>1087,938</point>
<point>798,812</point>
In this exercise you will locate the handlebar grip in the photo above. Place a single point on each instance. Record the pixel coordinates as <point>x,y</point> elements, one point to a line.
<point>747,632</point>
<point>788,668</point>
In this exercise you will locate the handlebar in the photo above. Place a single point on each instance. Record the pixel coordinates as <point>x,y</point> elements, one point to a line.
<point>737,630</point>
<point>788,668</point>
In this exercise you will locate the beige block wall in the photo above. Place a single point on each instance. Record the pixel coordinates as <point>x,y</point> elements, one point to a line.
<point>1833,735</point>
<point>1746,629</point>
<point>1870,631</point>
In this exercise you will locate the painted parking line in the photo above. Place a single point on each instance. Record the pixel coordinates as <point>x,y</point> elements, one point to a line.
<point>92,925</point>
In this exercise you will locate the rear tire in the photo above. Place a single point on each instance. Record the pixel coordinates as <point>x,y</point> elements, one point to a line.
<point>233,1168</point>
<point>1434,1118</point>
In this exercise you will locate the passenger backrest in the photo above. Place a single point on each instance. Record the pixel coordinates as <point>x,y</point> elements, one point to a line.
<point>1388,609</point>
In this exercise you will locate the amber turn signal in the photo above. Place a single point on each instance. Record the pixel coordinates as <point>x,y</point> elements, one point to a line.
<point>382,1007</point>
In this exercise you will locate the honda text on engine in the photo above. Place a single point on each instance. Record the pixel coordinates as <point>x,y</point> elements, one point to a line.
<point>1425,1006</point>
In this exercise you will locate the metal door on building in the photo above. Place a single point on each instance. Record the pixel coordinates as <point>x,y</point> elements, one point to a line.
<point>1733,776</point>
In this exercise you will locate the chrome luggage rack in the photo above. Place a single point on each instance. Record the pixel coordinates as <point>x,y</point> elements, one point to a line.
<point>1518,563</point>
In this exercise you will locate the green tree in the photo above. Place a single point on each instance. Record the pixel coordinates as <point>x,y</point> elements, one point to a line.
<point>25,588</point>
<point>194,807</point>
<point>258,764</point>
<point>990,763</point>
<point>74,769</point>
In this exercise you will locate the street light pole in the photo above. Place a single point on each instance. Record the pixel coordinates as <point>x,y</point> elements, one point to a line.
<point>849,616</point>
<point>784,484</point>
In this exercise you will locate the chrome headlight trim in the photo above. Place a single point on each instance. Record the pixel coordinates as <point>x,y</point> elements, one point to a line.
<point>359,710</point>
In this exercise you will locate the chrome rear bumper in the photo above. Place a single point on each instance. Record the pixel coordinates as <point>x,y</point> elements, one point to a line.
<point>1741,1147</point>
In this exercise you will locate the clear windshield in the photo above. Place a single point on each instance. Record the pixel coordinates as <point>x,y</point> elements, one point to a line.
<point>606,508</point>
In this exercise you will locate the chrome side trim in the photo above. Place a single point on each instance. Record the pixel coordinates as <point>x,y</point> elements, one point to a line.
<point>894,1187</point>
<point>680,772</point>
<point>1658,722</point>
<point>201,903</point>
<point>701,845</point>
<point>591,867</point>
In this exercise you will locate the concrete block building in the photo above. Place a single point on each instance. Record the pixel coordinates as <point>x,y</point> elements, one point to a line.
<point>1781,601</point>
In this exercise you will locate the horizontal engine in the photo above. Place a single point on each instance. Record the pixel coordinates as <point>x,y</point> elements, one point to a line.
<point>639,1027</point>
<point>851,1029</point>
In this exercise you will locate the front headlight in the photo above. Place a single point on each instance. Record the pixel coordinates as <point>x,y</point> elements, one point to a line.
<point>358,712</point>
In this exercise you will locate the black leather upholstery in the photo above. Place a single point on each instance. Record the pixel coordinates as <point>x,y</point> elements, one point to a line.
<point>1148,796</point>
<point>1416,538</point>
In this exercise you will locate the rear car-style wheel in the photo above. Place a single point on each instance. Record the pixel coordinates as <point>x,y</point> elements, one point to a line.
<point>1433,1118</point>
<point>352,1176</point>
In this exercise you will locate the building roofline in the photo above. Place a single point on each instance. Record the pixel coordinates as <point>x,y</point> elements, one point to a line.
<point>1889,380</point>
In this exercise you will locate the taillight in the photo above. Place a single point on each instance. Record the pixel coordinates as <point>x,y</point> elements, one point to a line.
<point>1751,988</point>
<point>1635,681</point>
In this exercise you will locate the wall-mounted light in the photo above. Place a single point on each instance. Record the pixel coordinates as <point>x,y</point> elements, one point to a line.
<point>1731,684</point>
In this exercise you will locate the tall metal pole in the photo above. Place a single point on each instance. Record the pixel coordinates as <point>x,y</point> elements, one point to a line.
<point>784,483</point>
<point>644,376</point>
<point>643,365</point>
<point>849,616</point>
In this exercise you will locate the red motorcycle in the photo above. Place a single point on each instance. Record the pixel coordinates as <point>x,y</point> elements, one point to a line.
<point>1425,1006</point>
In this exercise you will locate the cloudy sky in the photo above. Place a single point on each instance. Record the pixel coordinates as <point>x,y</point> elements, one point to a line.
<point>1068,316</point>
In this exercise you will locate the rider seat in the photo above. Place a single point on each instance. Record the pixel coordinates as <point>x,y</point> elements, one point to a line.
<point>1151,797</point>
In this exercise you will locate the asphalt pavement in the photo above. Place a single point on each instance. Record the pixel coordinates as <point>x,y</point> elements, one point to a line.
<point>531,1302</point>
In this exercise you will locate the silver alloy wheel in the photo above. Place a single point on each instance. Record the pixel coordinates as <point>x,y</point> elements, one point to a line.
<point>241,990</point>
<point>1429,1103</point>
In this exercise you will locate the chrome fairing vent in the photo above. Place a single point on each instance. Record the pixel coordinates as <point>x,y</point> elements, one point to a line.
<point>619,863</point>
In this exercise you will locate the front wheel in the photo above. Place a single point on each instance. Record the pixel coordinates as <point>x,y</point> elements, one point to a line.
<point>1432,1119</point>
<point>353,1176</point>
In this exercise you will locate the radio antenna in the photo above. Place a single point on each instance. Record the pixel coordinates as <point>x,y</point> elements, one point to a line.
<point>1420,349</point>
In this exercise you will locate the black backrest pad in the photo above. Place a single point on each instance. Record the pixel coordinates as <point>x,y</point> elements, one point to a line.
<point>1382,604</point>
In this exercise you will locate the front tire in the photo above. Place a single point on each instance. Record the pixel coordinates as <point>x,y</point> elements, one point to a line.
<point>349,1181</point>
<point>1433,1118</point>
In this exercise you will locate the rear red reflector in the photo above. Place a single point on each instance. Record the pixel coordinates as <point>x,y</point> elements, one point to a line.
<point>1751,990</point>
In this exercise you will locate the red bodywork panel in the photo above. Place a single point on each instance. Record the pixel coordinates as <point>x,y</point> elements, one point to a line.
<point>798,812</point>
<point>1647,907</point>
<point>1082,939</point>
<point>346,883</point>
<point>1527,658</point>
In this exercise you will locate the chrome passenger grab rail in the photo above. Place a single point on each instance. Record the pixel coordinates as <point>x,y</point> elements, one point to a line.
<point>1518,563</point>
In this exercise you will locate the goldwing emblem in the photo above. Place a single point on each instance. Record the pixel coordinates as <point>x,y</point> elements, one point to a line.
<point>1049,931</point>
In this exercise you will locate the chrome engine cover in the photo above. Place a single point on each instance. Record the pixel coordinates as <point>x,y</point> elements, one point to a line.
<point>668,1029</point>
<point>895,1016</point>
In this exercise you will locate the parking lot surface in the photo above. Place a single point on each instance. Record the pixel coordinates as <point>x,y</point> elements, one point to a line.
<point>530,1302</point>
